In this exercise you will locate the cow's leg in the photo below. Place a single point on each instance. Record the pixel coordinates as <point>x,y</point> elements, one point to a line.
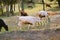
<point>6,27</point>
<point>34,25</point>
<point>20,25</point>
<point>29,26</point>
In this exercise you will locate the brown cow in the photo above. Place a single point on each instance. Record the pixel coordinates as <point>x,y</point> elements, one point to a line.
<point>23,13</point>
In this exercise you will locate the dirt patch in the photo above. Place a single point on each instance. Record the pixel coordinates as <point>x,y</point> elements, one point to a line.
<point>31,35</point>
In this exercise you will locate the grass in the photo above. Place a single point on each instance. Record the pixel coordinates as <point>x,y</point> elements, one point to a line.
<point>13,27</point>
<point>38,7</point>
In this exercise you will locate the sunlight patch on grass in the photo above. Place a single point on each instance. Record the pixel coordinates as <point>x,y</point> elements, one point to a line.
<point>34,10</point>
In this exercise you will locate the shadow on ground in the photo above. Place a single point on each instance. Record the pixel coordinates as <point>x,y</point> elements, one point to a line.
<point>32,35</point>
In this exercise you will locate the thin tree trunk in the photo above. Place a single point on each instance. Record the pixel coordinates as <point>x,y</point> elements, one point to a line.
<point>7,10</point>
<point>43,5</point>
<point>19,7</point>
<point>14,7</point>
<point>22,4</point>
<point>1,8</point>
<point>11,9</point>
<point>58,3</point>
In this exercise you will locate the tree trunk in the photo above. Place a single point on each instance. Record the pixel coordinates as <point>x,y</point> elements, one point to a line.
<point>43,5</point>
<point>11,9</point>
<point>7,10</point>
<point>19,7</point>
<point>22,4</point>
<point>14,7</point>
<point>1,8</point>
<point>58,3</point>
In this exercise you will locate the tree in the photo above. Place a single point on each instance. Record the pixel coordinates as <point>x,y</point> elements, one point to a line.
<point>11,7</point>
<point>19,3</point>
<point>58,3</point>
<point>9,3</point>
<point>43,4</point>
<point>1,6</point>
<point>22,4</point>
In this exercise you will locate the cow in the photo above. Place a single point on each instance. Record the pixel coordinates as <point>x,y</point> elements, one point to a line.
<point>50,13</point>
<point>31,20</point>
<point>23,13</point>
<point>45,13</point>
<point>3,24</point>
<point>48,5</point>
<point>42,14</point>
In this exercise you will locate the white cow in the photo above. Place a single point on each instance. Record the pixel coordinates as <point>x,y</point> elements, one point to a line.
<point>44,17</point>
<point>42,13</point>
<point>31,20</point>
<point>46,13</point>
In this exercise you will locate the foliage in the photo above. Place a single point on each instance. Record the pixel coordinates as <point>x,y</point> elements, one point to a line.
<point>9,1</point>
<point>58,2</point>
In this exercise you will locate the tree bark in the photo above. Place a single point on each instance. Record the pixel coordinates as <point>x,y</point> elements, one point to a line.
<point>1,7</point>
<point>11,9</point>
<point>22,4</point>
<point>19,6</point>
<point>58,3</point>
<point>14,7</point>
<point>7,10</point>
<point>43,5</point>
